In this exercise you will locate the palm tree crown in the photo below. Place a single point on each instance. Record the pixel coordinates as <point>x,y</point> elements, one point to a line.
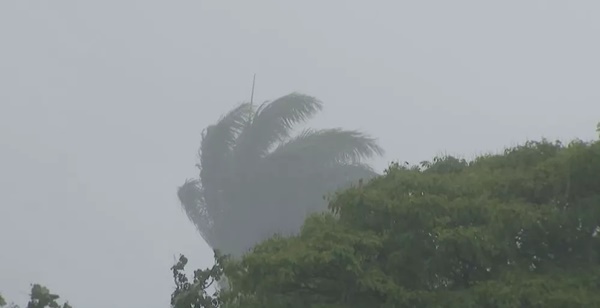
<point>256,179</point>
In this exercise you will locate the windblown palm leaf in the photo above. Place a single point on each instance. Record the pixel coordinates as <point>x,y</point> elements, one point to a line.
<point>328,146</point>
<point>218,140</point>
<point>273,122</point>
<point>256,179</point>
<point>223,135</point>
<point>190,195</point>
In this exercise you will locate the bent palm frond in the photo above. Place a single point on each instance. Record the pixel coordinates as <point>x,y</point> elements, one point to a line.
<point>190,196</point>
<point>327,147</point>
<point>219,139</point>
<point>217,142</point>
<point>273,121</point>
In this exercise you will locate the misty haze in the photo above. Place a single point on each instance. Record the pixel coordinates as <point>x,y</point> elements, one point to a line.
<point>340,153</point>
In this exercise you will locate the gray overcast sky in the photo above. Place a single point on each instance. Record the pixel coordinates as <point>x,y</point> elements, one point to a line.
<point>102,104</point>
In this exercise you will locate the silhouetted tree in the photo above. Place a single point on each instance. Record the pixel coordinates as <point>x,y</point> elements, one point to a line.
<point>257,179</point>
<point>40,297</point>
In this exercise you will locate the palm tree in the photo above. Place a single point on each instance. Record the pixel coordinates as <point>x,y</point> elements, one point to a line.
<point>256,179</point>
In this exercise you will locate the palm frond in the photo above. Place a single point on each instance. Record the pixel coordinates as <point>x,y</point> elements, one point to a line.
<point>326,147</point>
<point>273,121</point>
<point>192,203</point>
<point>222,135</point>
<point>217,143</point>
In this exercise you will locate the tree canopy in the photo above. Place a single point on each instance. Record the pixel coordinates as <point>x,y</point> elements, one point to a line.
<point>257,178</point>
<point>519,229</point>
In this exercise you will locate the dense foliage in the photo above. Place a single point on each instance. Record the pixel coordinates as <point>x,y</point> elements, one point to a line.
<point>513,230</point>
<point>257,179</point>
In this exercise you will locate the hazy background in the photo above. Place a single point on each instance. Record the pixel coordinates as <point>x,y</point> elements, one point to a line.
<point>102,104</point>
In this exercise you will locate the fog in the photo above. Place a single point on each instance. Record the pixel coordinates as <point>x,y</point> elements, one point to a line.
<point>102,104</point>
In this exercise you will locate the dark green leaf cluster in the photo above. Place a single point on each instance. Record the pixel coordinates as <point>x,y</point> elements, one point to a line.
<point>194,294</point>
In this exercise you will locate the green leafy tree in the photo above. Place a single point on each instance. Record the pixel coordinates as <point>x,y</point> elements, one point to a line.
<point>257,179</point>
<point>519,229</point>
<point>40,297</point>
<point>194,293</point>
